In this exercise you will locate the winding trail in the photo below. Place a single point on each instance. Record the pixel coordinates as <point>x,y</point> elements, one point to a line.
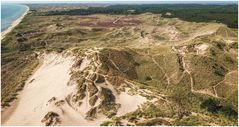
<point>165,74</point>
<point>186,70</point>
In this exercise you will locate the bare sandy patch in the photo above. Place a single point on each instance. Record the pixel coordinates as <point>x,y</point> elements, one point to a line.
<point>46,87</point>
<point>201,49</point>
<point>50,80</point>
<point>129,103</point>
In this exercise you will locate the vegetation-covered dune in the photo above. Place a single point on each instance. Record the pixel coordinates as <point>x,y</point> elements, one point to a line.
<point>141,69</point>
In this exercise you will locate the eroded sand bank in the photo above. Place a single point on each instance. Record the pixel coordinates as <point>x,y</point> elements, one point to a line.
<point>48,86</point>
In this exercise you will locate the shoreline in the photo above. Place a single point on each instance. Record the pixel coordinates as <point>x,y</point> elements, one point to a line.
<point>14,24</point>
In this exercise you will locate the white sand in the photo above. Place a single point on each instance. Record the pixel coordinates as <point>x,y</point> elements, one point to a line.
<point>129,103</point>
<point>14,24</point>
<point>50,80</point>
<point>84,64</point>
<point>201,49</point>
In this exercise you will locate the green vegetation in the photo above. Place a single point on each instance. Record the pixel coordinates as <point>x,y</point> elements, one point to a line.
<point>189,121</point>
<point>106,123</point>
<point>152,111</point>
<point>147,78</point>
<point>214,106</point>
<point>234,45</point>
<point>91,114</point>
<point>226,14</point>
<point>16,68</point>
<point>153,122</point>
<point>148,111</point>
<point>108,106</point>
<point>211,105</point>
<point>93,100</point>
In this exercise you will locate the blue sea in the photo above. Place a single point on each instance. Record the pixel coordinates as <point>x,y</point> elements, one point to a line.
<point>9,13</point>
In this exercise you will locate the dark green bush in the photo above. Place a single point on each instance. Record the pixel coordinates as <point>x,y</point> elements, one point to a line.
<point>214,106</point>
<point>211,105</point>
<point>147,78</point>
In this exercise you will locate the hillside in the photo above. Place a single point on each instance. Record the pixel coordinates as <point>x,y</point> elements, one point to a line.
<point>119,70</point>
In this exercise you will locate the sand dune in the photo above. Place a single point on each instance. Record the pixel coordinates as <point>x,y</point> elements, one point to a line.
<point>50,80</point>
<point>48,90</point>
<point>46,87</point>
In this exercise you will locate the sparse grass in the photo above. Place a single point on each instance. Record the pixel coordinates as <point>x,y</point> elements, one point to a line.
<point>152,111</point>
<point>108,106</point>
<point>153,122</point>
<point>147,68</point>
<point>189,121</point>
<point>106,123</point>
<point>204,67</point>
<point>147,78</point>
<point>16,68</point>
<point>234,45</point>
<point>93,100</point>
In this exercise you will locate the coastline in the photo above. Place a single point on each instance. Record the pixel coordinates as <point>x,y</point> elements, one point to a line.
<point>14,24</point>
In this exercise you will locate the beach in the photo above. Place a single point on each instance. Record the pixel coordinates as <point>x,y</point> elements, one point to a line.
<point>14,24</point>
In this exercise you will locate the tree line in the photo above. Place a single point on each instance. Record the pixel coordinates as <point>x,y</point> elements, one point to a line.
<point>227,14</point>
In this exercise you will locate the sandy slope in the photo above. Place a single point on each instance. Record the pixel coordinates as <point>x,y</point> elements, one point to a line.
<point>129,103</point>
<point>48,81</point>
